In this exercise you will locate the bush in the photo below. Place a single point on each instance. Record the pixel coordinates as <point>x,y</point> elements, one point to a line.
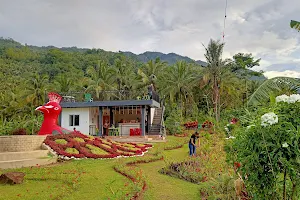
<point>20,131</point>
<point>72,151</point>
<point>268,151</point>
<point>174,121</point>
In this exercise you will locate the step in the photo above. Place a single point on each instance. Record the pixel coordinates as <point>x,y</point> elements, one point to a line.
<point>10,164</point>
<point>6,156</point>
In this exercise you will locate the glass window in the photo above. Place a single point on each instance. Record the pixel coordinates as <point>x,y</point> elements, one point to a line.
<point>73,120</point>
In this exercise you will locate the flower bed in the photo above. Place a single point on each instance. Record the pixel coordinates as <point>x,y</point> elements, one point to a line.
<point>77,145</point>
<point>191,125</point>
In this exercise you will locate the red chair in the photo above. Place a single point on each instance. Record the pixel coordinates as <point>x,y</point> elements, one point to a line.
<point>132,132</point>
<point>137,131</point>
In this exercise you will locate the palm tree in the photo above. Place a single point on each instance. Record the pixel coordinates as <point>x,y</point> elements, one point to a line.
<point>277,85</point>
<point>35,89</point>
<point>150,72</point>
<point>178,82</point>
<point>100,79</point>
<point>213,71</point>
<point>64,83</point>
<point>125,77</point>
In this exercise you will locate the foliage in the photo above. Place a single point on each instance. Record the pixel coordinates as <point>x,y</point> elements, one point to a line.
<point>174,120</point>
<point>72,151</point>
<point>27,71</point>
<point>61,141</point>
<point>274,86</point>
<point>20,131</point>
<point>269,153</point>
<point>295,24</point>
<point>91,147</point>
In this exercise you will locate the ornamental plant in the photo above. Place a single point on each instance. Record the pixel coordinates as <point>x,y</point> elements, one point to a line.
<point>268,151</point>
<point>77,145</point>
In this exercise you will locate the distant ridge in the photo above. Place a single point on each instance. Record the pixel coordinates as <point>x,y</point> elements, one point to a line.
<point>170,58</point>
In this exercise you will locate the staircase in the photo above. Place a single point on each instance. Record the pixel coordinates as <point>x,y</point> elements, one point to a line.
<point>25,159</point>
<point>156,126</point>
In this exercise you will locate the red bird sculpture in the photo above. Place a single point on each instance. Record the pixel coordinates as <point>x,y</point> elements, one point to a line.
<point>51,111</point>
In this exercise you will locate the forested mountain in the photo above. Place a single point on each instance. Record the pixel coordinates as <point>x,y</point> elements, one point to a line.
<point>27,72</point>
<point>170,58</point>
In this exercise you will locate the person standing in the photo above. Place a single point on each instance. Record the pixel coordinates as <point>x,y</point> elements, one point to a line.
<point>150,90</point>
<point>192,143</point>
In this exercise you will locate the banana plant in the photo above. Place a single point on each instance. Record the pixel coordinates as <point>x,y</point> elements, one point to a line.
<point>295,25</point>
<point>277,85</point>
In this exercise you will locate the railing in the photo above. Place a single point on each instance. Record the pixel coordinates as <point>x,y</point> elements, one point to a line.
<point>108,95</point>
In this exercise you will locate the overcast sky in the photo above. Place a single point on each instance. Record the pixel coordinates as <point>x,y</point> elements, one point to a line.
<point>260,27</point>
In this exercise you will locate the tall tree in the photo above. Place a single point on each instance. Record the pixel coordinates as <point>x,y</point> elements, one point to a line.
<point>35,89</point>
<point>214,68</point>
<point>100,79</point>
<point>150,72</point>
<point>179,81</point>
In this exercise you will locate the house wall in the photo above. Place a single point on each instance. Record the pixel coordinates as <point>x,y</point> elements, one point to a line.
<point>152,111</point>
<point>84,119</point>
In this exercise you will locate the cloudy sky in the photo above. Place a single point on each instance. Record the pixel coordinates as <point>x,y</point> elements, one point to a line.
<point>260,27</point>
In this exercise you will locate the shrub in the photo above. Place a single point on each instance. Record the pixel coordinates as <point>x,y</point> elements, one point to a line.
<point>61,141</point>
<point>268,152</point>
<point>20,131</point>
<point>174,120</point>
<point>72,151</point>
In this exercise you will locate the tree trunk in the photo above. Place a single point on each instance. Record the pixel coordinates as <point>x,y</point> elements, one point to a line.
<point>216,98</point>
<point>284,185</point>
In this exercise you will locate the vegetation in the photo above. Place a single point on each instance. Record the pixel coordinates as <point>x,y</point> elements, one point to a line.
<point>295,24</point>
<point>27,72</point>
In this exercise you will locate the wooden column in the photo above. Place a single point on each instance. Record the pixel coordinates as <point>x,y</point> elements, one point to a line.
<point>100,121</point>
<point>111,116</point>
<point>143,120</point>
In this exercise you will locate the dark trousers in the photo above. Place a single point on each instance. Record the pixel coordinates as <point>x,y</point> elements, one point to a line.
<point>192,149</point>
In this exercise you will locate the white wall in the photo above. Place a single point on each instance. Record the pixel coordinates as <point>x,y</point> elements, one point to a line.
<point>83,119</point>
<point>152,111</point>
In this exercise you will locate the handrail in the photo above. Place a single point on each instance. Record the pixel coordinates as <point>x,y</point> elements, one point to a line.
<point>106,95</point>
<point>162,127</point>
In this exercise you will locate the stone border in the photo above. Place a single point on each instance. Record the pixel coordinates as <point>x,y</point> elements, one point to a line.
<point>18,143</point>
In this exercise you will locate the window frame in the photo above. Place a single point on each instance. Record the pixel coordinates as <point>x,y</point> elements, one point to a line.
<point>72,120</point>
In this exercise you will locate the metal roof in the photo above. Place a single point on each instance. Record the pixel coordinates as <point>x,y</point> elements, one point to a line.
<point>150,103</point>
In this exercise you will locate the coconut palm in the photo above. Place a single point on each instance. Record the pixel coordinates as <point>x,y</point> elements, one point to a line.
<point>213,71</point>
<point>178,82</point>
<point>35,89</point>
<point>100,79</point>
<point>150,72</point>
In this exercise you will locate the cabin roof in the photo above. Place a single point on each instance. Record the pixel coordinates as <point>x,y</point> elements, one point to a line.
<point>122,103</point>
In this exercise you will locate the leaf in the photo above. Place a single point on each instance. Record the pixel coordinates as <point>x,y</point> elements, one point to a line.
<point>295,25</point>
<point>271,86</point>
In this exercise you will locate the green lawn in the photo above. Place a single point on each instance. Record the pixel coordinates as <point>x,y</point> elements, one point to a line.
<point>166,187</point>
<point>96,179</point>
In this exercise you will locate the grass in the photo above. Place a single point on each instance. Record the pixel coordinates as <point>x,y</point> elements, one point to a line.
<point>166,187</point>
<point>96,179</point>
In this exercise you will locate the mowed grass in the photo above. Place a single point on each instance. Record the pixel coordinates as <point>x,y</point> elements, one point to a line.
<point>165,187</point>
<point>96,179</point>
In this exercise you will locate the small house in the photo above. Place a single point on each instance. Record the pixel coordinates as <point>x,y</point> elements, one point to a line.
<point>112,113</point>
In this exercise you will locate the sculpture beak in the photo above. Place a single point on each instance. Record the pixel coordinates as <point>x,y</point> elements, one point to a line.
<point>42,109</point>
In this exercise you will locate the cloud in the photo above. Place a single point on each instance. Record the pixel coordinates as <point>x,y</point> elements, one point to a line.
<point>286,73</point>
<point>258,27</point>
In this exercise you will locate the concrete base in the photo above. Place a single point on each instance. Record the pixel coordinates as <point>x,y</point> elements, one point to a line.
<point>25,159</point>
